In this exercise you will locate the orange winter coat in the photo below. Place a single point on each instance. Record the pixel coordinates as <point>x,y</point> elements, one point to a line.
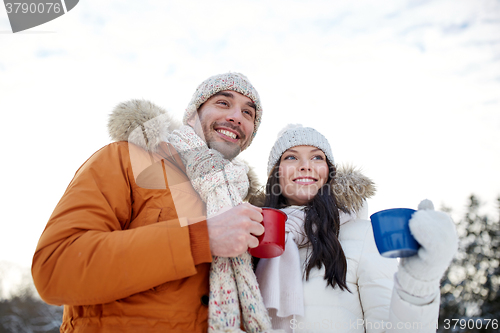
<point>126,249</point>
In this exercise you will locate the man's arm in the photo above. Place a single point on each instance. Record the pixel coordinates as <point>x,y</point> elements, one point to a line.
<point>84,256</point>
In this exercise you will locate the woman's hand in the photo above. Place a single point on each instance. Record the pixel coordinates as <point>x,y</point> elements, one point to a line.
<point>420,274</point>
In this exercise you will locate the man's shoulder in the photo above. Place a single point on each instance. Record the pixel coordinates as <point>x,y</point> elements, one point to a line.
<point>107,156</point>
<point>117,146</point>
<point>130,153</point>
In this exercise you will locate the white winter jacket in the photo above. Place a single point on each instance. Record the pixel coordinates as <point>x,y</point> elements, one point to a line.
<point>373,305</point>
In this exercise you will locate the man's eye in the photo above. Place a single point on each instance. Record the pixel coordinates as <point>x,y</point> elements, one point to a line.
<point>250,113</point>
<point>223,103</point>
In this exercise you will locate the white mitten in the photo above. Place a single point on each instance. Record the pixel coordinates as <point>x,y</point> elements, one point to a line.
<point>419,275</point>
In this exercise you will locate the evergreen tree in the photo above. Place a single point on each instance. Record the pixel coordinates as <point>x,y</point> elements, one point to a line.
<point>23,311</point>
<point>470,287</point>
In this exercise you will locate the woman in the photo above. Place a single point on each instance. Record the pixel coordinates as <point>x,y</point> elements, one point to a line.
<point>331,276</point>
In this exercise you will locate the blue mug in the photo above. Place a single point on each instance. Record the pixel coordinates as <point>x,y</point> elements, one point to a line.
<point>392,233</point>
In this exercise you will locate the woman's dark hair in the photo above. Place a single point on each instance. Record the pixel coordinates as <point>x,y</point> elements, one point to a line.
<point>321,225</point>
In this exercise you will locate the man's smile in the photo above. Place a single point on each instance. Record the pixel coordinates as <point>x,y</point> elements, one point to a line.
<point>227,134</point>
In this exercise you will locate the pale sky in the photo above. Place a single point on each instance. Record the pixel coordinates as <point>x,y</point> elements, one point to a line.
<point>408,91</point>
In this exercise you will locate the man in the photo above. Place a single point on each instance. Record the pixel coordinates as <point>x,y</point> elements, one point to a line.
<point>128,247</point>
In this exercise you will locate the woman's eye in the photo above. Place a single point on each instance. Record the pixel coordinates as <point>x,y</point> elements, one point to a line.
<point>290,157</point>
<point>318,157</point>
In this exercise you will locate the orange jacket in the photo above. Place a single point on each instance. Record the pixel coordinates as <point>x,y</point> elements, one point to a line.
<point>126,248</point>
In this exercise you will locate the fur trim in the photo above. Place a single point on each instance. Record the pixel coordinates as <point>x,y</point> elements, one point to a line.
<point>351,189</point>
<point>258,198</point>
<point>140,122</point>
<point>147,125</point>
<point>255,186</point>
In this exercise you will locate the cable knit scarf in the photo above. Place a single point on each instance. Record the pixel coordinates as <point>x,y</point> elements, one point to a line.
<point>222,183</point>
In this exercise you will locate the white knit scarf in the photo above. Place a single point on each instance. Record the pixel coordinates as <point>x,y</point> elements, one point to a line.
<point>280,278</point>
<point>221,183</point>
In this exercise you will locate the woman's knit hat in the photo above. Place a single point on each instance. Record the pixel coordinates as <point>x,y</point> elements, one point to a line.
<point>228,81</point>
<point>296,135</point>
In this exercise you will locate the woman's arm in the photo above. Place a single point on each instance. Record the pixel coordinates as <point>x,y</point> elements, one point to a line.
<point>387,306</point>
<point>375,282</point>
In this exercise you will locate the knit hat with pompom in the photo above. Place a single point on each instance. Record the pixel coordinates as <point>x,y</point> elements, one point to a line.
<point>296,135</point>
<point>227,81</point>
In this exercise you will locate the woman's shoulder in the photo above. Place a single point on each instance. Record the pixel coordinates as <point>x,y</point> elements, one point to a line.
<point>355,224</point>
<point>355,229</point>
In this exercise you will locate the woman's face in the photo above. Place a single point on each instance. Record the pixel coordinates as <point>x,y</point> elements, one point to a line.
<point>303,171</point>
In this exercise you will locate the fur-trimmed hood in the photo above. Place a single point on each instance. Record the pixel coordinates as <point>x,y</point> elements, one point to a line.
<point>142,123</point>
<point>147,125</point>
<point>352,188</point>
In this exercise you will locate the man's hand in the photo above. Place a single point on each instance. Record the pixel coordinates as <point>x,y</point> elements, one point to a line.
<point>234,230</point>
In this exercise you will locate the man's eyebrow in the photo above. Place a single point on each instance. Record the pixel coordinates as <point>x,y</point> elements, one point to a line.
<point>230,95</point>
<point>225,94</point>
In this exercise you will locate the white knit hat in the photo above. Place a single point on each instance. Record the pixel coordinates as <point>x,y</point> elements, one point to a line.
<point>227,81</point>
<point>295,135</point>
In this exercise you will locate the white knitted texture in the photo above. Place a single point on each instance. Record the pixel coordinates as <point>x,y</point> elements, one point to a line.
<point>220,184</point>
<point>296,135</point>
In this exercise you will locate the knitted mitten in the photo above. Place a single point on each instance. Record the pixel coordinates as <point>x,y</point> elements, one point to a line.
<point>419,275</point>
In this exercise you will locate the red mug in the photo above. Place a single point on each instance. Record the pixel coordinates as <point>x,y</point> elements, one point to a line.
<point>272,241</point>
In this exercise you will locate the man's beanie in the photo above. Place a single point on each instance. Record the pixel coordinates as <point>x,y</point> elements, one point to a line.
<point>296,135</point>
<point>228,81</point>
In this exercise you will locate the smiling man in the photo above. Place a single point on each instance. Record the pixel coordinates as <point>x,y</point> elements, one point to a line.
<point>129,246</point>
<point>226,121</point>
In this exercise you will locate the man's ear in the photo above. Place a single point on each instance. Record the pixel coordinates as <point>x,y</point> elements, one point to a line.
<point>191,120</point>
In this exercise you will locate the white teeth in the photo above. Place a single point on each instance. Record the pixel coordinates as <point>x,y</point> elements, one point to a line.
<point>227,133</point>
<point>305,180</point>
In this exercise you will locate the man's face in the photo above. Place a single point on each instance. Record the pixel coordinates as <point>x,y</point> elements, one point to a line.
<point>226,122</point>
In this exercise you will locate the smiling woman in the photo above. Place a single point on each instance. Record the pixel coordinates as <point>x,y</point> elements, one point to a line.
<point>331,276</point>
<point>303,171</point>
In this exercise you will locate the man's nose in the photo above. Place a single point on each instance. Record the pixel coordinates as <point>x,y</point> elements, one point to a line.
<point>234,115</point>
